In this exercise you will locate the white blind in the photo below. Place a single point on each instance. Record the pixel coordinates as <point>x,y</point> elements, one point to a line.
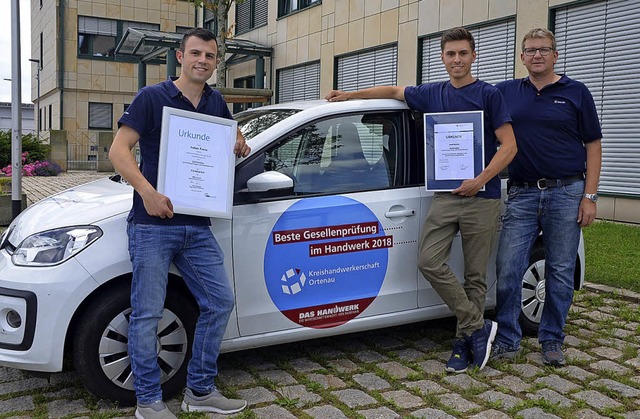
<point>597,45</point>
<point>367,69</point>
<point>495,50</point>
<point>299,83</point>
<point>100,115</point>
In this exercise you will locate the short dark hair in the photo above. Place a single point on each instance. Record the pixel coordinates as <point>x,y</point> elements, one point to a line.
<point>457,34</point>
<point>540,33</point>
<point>202,33</point>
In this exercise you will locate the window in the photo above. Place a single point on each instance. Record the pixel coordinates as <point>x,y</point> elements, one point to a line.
<point>41,63</point>
<point>251,14</point>
<point>40,119</point>
<point>245,83</point>
<point>495,49</point>
<point>338,155</point>
<point>99,37</point>
<point>367,69</point>
<point>210,21</point>
<point>50,115</point>
<point>298,83</point>
<point>286,7</point>
<point>100,115</point>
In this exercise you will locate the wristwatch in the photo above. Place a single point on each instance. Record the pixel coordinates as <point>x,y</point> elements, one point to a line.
<point>593,197</point>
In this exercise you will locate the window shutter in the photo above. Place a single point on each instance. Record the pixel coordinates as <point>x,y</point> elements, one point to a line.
<point>592,39</point>
<point>367,69</point>
<point>299,83</point>
<point>100,116</point>
<point>260,13</point>
<point>243,16</point>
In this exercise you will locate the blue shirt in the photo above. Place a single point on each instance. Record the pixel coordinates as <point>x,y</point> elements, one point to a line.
<point>551,127</point>
<point>477,96</point>
<point>145,116</point>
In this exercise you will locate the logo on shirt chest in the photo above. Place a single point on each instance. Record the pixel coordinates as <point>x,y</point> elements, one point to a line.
<point>559,101</point>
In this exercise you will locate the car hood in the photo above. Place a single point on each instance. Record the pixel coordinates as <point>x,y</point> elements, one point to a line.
<point>80,205</point>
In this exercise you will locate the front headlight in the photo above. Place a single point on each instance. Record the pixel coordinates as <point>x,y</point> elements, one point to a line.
<point>54,246</point>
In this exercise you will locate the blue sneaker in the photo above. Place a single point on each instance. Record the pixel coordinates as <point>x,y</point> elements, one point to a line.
<point>552,354</point>
<point>460,357</point>
<point>481,341</point>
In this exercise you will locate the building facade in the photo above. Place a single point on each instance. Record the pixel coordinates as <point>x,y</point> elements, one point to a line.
<point>318,45</point>
<point>28,121</point>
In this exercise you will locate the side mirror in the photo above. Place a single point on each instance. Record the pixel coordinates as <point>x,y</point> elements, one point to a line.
<point>269,181</point>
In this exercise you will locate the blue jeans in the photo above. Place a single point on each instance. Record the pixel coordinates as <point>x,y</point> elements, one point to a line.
<point>554,211</point>
<point>199,259</point>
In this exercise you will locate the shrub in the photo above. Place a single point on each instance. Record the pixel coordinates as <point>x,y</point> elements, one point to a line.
<point>37,168</point>
<point>36,150</point>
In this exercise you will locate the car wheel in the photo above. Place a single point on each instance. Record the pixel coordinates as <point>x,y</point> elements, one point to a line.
<point>100,342</point>
<point>533,292</point>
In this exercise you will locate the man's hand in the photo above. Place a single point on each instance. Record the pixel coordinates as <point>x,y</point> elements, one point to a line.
<point>587,212</point>
<point>158,205</point>
<point>469,187</point>
<point>337,96</point>
<point>241,149</point>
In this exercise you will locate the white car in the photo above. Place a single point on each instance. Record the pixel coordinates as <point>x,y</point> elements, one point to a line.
<point>324,239</point>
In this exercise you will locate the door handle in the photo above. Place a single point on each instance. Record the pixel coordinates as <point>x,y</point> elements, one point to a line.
<point>401,213</point>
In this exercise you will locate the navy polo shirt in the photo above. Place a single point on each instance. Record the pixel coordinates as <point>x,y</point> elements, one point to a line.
<point>145,116</point>
<point>477,96</point>
<point>551,127</point>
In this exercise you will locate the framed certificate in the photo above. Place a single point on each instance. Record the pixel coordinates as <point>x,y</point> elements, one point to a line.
<point>197,163</point>
<point>454,148</point>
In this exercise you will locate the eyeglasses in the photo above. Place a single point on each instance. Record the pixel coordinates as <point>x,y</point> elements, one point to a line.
<point>532,51</point>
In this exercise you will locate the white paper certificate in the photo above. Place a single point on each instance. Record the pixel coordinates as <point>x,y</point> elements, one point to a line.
<point>454,151</point>
<point>196,165</point>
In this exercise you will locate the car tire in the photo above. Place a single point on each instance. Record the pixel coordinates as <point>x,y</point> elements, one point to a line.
<point>100,353</point>
<point>533,292</point>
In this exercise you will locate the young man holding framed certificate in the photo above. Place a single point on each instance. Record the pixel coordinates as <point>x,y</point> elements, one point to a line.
<point>467,209</point>
<point>159,237</point>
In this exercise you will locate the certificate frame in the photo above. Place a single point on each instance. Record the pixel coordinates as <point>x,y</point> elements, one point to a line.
<point>454,148</point>
<point>196,165</point>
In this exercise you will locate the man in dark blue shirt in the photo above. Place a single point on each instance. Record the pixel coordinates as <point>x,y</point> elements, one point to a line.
<point>158,237</point>
<point>554,181</point>
<point>466,209</point>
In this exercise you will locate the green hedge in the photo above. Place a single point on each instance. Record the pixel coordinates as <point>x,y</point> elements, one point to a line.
<point>36,149</point>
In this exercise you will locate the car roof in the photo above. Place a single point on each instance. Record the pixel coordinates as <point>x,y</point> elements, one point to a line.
<point>358,104</point>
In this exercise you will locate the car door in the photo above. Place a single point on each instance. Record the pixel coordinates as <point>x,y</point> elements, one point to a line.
<point>340,245</point>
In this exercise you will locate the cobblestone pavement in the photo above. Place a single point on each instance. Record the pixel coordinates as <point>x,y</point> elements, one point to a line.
<point>399,373</point>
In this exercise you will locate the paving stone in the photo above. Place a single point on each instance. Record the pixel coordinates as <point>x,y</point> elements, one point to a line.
<point>457,402</point>
<point>371,381</point>
<point>512,383</point>
<point>325,412</point>
<point>463,381</point>
<point>343,365</point>
<point>596,399</point>
<point>606,352</point>
<point>305,365</point>
<point>426,344</point>
<point>273,412</point>
<point>425,387</point>
<point>536,413</point>
<point>617,387</point>
<point>387,343</point>
<point>587,414</point>
<point>236,378</point>
<point>23,385</point>
<point>573,354</point>
<point>256,395</point>
<point>63,378</point>
<point>17,404</point>
<point>60,408</point>
<point>430,413</point>
<point>395,369</point>
<point>573,341</point>
<point>535,357</point>
<point>353,397</point>
<point>10,374</point>
<point>67,393</point>
<point>278,377</point>
<point>610,366</point>
<point>577,373</point>
<point>526,370</point>
<point>632,415</point>
<point>432,367</point>
<point>558,383</point>
<point>379,413</point>
<point>634,362</point>
<point>550,396</point>
<point>352,344</point>
<point>403,399</point>
<point>301,393</point>
<point>409,354</point>
<point>610,341</point>
<point>370,356</point>
<point>490,414</point>
<point>255,361</point>
<point>495,396</point>
<point>489,372</point>
<point>327,381</point>
<point>598,315</point>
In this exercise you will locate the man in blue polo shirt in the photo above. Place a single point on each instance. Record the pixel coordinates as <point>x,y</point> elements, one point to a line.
<point>473,212</point>
<point>554,182</point>
<point>158,237</point>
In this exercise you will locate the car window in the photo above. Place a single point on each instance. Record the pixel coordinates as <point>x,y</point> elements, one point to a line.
<point>339,155</point>
<point>252,123</point>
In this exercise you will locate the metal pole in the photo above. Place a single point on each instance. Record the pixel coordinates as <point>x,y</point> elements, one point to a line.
<point>16,113</point>
<point>34,60</point>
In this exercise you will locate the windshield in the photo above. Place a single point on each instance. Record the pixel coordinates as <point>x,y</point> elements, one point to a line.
<point>252,123</point>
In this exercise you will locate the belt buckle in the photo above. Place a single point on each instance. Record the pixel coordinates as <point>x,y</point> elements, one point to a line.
<point>541,184</point>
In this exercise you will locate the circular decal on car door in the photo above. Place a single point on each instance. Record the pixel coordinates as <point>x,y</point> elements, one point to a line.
<point>325,261</point>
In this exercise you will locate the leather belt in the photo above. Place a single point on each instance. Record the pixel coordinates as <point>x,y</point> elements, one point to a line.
<point>545,183</point>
